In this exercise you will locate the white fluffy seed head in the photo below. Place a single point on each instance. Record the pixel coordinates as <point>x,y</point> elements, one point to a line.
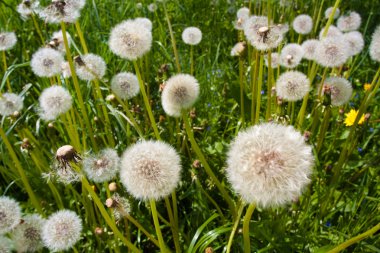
<point>145,22</point>
<point>90,66</point>
<point>291,55</point>
<point>238,49</point>
<point>332,52</point>
<point>46,62</point>
<point>152,7</point>
<point>269,164</point>
<point>125,85</point>
<point>192,35</point>
<point>332,31</point>
<point>54,101</point>
<point>102,167</point>
<point>65,68</point>
<point>275,60</point>
<point>309,47</point>
<point>355,42</point>
<point>242,13</point>
<point>150,170</point>
<point>7,40</point>
<point>180,92</point>
<point>67,11</point>
<point>340,90</point>
<point>130,39</point>
<point>242,16</point>
<point>350,22</point>
<point>61,230</point>
<point>303,24</point>
<point>292,85</point>
<point>329,11</point>
<point>57,41</point>
<point>374,47</point>
<point>10,103</point>
<point>5,245</point>
<point>27,235</point>
<point>10,214</point>
<point>28,7</point>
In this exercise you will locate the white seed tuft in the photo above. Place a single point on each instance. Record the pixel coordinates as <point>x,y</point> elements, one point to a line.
<point>7,40</point>
<point>10,103</point>
<point>10,214</point>
<point>192,35</point>
<point>102,167</point>
<point>46,62</point>
<point>125,85</point>
<point>292,85</point>
<point>303,24</point>
<point>291,55</point>
<point>90,66</point>
<point>350,22</point>
<point>27,235</point>
<point>54,101</point>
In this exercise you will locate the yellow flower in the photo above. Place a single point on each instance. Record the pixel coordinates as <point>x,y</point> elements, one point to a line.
<point>367,86</point>
<point>351,116</point>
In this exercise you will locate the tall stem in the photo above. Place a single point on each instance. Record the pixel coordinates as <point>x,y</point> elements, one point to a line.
<point>38,28</point>
<point>269,86</point>
<point>247,219</point>
<point>237,221</point>
<point>174,45</point>
<point>191,60</point>
<point>324,127</point>
<point>258,90</point>
<point>157,226</point>
<point>81,37</point>
<point>5,70</point>
<point>241,83</point>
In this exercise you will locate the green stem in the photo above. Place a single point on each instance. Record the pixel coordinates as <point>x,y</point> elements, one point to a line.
<point>318,18</point>
<point>269,86</point>
<point>247,219</point>
<point>5,70</point>
<point>81,37</point>
<point>203,160</point>
<point>324,127</point>
<point>237,221</point>
<point>191,60</point>
<point>355,239</point>
<point>77,89</point>
<point>20,171</point>
<point>139,226</point>
<point>241,82</point>
<point>260,83</point>
<point>146,102</point>
<point>157,226</point>
<point>331,18</point>
<point>174,45</point>
<point>173,225</point>
<point>254,85</point>
<point>130,116</point>
<point>38,29</point>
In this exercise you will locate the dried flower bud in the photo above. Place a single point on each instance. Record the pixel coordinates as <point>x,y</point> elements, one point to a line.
<point>196,164</point>
<point>98,231</point>
<point>110,203</point>
<point>112,186</point>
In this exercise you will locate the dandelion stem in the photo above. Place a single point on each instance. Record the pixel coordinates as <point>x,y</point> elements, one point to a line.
<point>247,219</point>
<point>318,18</point>
<point>81,38</point>
<point>237,221</point>
<point>254,85</point>
<point>174,45</point>
<point>355,239</point>
<point>325,125</point>
<point>258,90</point>
<point>38,28</point>
<point>269,86</point>
<point>5,70</point>
<point>203,160</point>
<point>139,226</point>
<point>241,82</point>
<point>20,171</point>
<point>130,116</point>
<point>173,225</point>
<point>331,18</point>
<point>157,226</point>
<point>191,60</point>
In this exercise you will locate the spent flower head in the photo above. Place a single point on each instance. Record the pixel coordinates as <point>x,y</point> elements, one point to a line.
<point>10,214</point>
<point>350,22</point>
<point>332,52</point>
<point>374,47</point>
<point>61,230</point>
<point>275,60</point>
<point>7,40</point>
<point>192,35</point>
<point>57,42</point>
<point>150,170</point>
<point>238,49</point>
<point>54,101</point>
<point>125,85</point>
<point>6,244</point>
<point>27,235</point>
<point>57,11</point>
<point>291,55</point>
<point>303,24</point>
<point>329,11</point>
<point>269,164</point>
<point>332,31</point>
<point>103,166</point>
<point>10,103</point>
<point>292,85</point>
<point>120,206</point>
<point>27,7</point>
<point>355,42</point>
<point>340,90</point>
<point>90,66</point>
<point>309,47</point>
<point>46,62</point>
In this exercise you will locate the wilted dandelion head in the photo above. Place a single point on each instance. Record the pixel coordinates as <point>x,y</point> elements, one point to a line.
<point>291,55</point>
<point>355,42</point>
<point>125,85</point>
<point>54,101</point>
<point>90,66</point>
<point>102,167</point>
<point>57,42</point>
<point>67,11</point>
<point>332,52</point>
<point>332,31</point>
<point>275,60</point>
<point>10,214</point>
<point>303,24</point>
<point>238,49</point>
<point>340,90</point>
<point>120,206</point>
<point>374,48</point>
<point>192,35</point>
<point>350,22</point>
<point>269,164</point>
<point>292,85</point>
<point>242,16</point>
<point>130,39</point>
<point>5,245</point>
<point>46,62</point>
<point>61,230</point>
<point>180,92</point>
<point>28,7</point>
<point>309,47</point>
<point>150,170</point>
<point>10,103</point>
<point>7,40</point>
<point>27,235</point>
<point>145,22</point>
<point>329,11</point>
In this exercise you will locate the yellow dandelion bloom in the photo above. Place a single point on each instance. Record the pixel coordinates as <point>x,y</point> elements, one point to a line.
<point>351,116</point>
<point>367,86</point>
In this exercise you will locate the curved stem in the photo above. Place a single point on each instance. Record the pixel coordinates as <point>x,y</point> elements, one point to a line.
<point>5,70</point>
<point>237,221</point>
<point>157,226</point>
<point>247,219</point>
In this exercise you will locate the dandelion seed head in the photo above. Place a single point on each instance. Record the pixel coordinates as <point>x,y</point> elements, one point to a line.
<point>61,230</point>
<point>6,245</point>
<point>291,55</point>
<point>332,31</point>
<point>120,206</point>
<point>262,36</point>
<point>10,214</point>
<point>355,42</point>
<point>340,90</point>
<point>329,11</point>
<point>303,24</point>
<point>350,22</point>
<point>292,85</point>
<point>275,60</point>
<point>65,69</point>
<point>67,11</point>
<point>58,43</point>
<point>102,167</point>
<point>125,85</point>
<point>130,39</point>
<point>91,67</point>
<point>27,235</point>
<point>180,92</point>
<point>54,101</point>
<point>332,52</point>
<point>150,170</point>
<point>10,103</point>
<point>46,62</point>
<point>309,47</point>
<point>145,22</point>
<point>192,35</point>
<point>7,40</point>
<point>242,16</point>
<point>238,49</point>
<point>28,7</point>
<point>374,47</point>
<point>152,7</point>
<point>269,164</point>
